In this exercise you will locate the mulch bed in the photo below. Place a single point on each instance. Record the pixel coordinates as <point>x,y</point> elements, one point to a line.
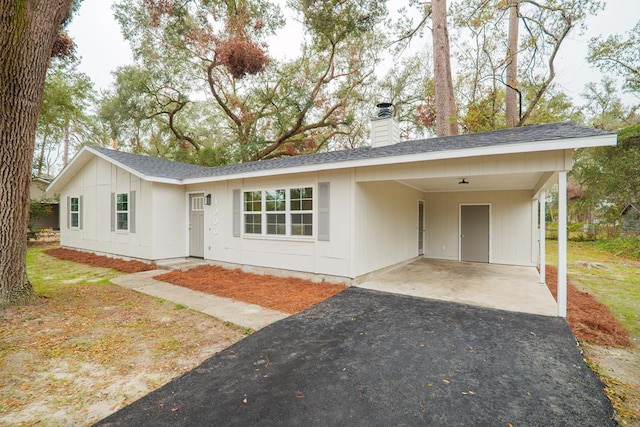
<point>286,294</point>
<point>100,261</point>
<point>590,320</point>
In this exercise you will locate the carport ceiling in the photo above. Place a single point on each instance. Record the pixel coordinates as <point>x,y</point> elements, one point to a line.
<point>515,181</point>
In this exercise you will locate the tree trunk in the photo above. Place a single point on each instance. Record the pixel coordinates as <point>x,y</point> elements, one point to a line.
<point>445,101</point>
<point>28,29</point>
<point>512,104</point>
<point>65,149</point>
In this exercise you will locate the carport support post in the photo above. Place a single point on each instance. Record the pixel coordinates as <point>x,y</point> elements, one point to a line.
<point>542,236</point>
<point>562,244</point>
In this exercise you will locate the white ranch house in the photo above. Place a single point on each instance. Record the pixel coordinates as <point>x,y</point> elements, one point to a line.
<point>345,214</point>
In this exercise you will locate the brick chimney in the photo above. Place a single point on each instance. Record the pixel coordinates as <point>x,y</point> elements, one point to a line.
<point>384,128</point>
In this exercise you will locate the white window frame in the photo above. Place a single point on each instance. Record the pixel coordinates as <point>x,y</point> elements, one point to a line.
<point>302,212</point>
<point>288,212</point>
<point>74,212</point>
<point>119,212</point>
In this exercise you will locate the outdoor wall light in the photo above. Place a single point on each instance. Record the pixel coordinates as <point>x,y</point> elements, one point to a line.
<point>207,200</point>
<point>464,181</point>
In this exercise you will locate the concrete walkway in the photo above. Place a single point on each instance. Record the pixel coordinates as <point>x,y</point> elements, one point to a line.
<point>226,309</point>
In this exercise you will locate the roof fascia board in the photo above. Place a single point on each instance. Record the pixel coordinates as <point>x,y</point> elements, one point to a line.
<point>528,147</point>
<point>135,172</point>
<point>77,162</point>
<point>82,158</point>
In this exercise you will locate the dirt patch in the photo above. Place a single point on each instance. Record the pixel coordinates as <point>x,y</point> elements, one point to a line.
<point>88,349</point>
<point>100,261</point>
<point>618,369</point>
<point>286,294</point>
<point>590,320</point>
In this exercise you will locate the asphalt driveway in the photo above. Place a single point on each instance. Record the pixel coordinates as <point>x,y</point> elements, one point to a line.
<point>371,358</point>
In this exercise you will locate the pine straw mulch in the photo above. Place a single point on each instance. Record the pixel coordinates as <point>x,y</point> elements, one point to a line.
<point>100,261</point>
<point>590,320</point>
<point>286,294</point>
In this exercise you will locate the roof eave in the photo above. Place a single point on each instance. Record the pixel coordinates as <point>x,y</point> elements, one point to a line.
<point>83,157</point>
<point>528,147</point>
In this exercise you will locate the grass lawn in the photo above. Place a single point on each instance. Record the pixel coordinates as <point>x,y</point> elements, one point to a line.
<point>87,348</point>
<point>614,280</point>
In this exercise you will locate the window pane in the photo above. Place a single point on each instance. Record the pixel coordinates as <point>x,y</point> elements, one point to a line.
<point>74,204</point>
<point>74,219</point>
<point>122,221</point>
<point>276,224</point>
<point>122,203</point>
<point>275,200</point>
<point>253,223</point>
<point>302,224</point>
<point>197,203</point>
<point>301,199</point>
<point>253,201</point>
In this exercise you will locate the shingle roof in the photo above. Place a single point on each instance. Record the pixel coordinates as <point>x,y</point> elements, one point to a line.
<point>155,167</point>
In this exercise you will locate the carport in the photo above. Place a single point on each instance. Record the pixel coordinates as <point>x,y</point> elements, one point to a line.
<point>505,287</point>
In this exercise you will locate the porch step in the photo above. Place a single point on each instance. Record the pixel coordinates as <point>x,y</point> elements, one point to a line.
<point>182,264</point>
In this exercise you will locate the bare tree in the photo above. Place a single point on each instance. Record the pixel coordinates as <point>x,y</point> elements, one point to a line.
<point>30,32</point>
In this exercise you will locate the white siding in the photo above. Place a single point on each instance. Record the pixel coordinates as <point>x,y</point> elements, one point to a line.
<point>511,223</point>
<point>300,254</point>
<point>169,227</point>
<point>157,223</point>
<point>472,166</point>
<point>386,225</point>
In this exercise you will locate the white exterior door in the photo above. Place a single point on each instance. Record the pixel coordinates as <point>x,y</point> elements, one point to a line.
<point>196,225</point>
<point>474,233</point>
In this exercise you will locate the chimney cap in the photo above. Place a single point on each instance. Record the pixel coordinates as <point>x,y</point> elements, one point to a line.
<point>384,109</point>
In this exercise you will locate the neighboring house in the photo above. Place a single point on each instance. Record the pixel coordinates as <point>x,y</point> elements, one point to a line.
<point>631,218</point>
<point>37,192</point>
<point>343,213</point>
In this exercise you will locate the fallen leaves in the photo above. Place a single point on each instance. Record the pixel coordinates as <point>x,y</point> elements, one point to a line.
<point>89,349</point>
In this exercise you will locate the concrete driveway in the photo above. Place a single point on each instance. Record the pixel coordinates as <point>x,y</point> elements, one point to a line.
<point>368,358</point>
<point>505,287</point>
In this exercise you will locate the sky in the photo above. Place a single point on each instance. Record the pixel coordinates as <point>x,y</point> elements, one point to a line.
<point>102,49</point>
